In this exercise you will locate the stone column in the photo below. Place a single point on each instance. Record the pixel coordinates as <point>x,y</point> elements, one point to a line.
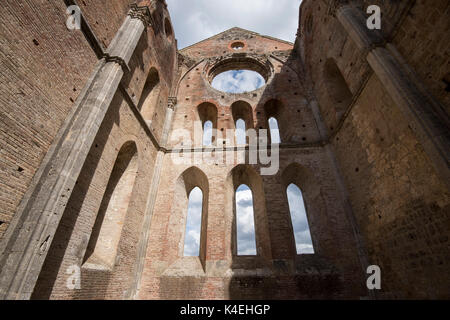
<point>168,121</point>
<point>133,292</point>
<point>425,115</point>
<point>26,243</point>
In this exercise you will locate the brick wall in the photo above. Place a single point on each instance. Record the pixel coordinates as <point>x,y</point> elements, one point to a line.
<point>399,199</point>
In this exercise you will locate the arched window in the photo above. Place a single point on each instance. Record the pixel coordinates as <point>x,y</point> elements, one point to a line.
<point>242,113</point>
<point>245,221</point>
<point>302,234</point>
<point>150,95</point>
<point>274,130</point>
<point>207,133</point>
<point>104,242</point>
<point>337,87</point>
<point>240,132</point>
<point>207,114</point>
<point>193,223</point>
<point>275,115</point>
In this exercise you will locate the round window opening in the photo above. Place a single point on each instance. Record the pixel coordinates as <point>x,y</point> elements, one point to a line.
<point>237,45</point>
<point>238,81</point>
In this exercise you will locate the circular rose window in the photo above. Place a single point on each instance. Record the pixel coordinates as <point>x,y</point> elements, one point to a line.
<point>238,81</point>
<point>237,45</point>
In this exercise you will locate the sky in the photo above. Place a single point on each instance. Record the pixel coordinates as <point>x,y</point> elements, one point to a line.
<point>274,130</point>
<point>196,20</point>
<point>193,223</point>
<point>245,222</point>
<point>238,81</point>
<point>300,224</point>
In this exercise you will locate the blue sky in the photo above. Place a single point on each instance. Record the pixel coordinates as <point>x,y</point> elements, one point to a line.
<point>302,233</point>
<point>193,223</point>
<point>196,20</point>
<point>245,222</point>
<point>238,81</point>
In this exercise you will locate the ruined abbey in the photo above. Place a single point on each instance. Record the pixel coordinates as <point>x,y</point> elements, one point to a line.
<point>95,176</point>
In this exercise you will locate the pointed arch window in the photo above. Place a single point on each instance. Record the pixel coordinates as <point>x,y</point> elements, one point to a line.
<point>302,233</point>
<point>150,95</point>
<point>207,114</point>
<point>207,133</point>
<point>274,130</point>
<point>193,223</point>
<point>241,132</point>
<point>245,221</point>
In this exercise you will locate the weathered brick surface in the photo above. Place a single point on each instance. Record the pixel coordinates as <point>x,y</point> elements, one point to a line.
<point>400,200</point>
<point>393,203</point>
<point>43,68</point>
<point>333,272</point>
<point>277,272</point>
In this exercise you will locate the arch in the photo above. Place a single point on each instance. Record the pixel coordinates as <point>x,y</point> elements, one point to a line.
<point>208,112</point>
<point>245,221</point>
<point>245,175</point>
<point>193,223</point>
<point>241,136</point>
<point>207,133</point>
<point>299,220</point>
<point>336,87</point>
<point>104,241</point>
<point>189,180</point>
<point>305,181</point>
<point>242,110</point>
<point>168,28</point>
<point>242,62</point>
<point>150,95</point>
<point>274,109</point>
<point>274,130</point>
<point>308,26</point>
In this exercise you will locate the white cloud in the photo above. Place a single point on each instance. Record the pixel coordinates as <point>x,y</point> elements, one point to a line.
<point>274,130</point>
<point>302,233</point>
<point>196,20</point>
<point>238,81</point>
<point>207,133</point>
<point>193,223</point>
<point>245,221</point>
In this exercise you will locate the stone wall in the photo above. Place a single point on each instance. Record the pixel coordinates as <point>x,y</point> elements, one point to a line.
<point>122,124</point>
<point>399,198</point>
<point>334,271</point>
<point>373,191</point>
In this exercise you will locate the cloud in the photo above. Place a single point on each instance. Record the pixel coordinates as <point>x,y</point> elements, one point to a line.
<point>207,133</point>
<point>300,224</point>
<point>193,223</point>
<point>274,130</point>
<point>238,81</point>
<point>196,20</point>
<point>245,221</point>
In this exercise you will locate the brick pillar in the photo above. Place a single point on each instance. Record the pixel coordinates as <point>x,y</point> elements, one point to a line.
<point>425,115</point>
<point>26,243</point>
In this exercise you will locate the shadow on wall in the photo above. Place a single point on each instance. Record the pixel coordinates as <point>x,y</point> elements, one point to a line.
<point>277,271</point>
<point>61,256</point>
